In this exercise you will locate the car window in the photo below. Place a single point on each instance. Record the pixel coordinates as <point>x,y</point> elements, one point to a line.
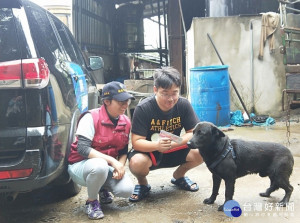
<point>69,50</point>
<point>44,36</point>
<point>75,47</point>
<point>8,36</point>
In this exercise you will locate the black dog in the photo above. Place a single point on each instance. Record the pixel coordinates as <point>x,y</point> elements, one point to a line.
<point>230,159</point>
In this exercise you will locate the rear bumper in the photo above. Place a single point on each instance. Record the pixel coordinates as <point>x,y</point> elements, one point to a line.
<point>44,171</point>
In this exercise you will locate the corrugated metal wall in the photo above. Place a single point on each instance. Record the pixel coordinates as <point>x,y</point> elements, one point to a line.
<point>93,25</point>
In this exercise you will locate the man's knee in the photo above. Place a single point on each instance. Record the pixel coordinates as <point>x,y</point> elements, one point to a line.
<point>194,156</point>
<point>138,161</point>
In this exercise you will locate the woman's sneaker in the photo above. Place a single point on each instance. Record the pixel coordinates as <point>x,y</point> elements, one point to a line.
<point>106,197</point>
<point>93,209</point>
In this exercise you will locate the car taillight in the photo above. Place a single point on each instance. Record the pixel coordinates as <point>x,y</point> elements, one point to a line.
<point>34,72</point>
<point>10,74</point>
<point>12,174</point>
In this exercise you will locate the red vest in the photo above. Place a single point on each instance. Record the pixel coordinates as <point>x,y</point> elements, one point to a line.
<point>107,139</point>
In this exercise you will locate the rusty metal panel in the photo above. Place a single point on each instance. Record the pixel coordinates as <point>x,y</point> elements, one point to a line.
<point>292,68</point>
<point>293,80</point>
<point>292,55</point>
<point>144,86</point>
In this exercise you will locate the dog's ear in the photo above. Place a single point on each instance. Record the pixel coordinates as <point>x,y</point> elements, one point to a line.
<point>217,132</point>
<point>195,127</point>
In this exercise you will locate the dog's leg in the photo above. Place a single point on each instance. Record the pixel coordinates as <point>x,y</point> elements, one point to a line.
<point>271,189</point>
<point>285,184</point>
<point>229,191</point>
<point>215,190</point>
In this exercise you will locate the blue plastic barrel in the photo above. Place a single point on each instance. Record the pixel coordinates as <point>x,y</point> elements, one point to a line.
<point>210,94</point>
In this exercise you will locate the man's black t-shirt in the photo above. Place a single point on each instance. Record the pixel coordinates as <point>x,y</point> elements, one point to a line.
<point>148,118</point>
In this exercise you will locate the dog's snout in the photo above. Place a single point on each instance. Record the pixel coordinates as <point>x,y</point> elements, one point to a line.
<point>190,145</point>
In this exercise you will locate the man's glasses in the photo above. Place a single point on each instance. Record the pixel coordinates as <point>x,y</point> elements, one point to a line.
<point>167,96</point>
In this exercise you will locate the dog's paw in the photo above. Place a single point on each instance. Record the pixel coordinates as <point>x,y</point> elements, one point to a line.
<point>264,195</point>
<point>220,208</point>
<point>283,203</point>
<point>208,201</point>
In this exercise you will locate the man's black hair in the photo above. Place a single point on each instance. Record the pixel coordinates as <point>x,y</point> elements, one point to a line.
<point>166,77</point>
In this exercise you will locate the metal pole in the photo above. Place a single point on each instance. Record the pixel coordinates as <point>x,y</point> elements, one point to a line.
<point>165,31</point>
<point>233,85</point>
<point>159,32</point>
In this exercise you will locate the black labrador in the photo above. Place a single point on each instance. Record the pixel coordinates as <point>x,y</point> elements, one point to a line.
<point>230,159</point>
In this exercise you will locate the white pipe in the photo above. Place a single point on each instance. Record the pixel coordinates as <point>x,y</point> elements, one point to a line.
<point>251,67</point>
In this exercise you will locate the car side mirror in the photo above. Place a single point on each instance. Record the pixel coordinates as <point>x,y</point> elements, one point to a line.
<point>95,62</point>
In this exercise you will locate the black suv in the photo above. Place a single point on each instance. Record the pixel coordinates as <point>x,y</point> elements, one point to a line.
<point>44,87</point>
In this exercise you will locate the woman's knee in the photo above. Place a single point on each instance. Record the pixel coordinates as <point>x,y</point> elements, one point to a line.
<point>124,188</point>
<point>97,167</point>
<point>125,192</point>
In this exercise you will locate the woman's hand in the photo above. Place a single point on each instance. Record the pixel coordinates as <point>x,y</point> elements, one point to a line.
<point>119,170</point>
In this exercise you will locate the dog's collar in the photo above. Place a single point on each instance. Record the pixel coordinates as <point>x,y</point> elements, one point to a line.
<point>223,155</point>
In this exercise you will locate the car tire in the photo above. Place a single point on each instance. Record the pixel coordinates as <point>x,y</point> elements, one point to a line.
<point>70,189</point>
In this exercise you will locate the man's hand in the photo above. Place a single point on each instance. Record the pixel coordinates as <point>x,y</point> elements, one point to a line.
<point>164,144</point>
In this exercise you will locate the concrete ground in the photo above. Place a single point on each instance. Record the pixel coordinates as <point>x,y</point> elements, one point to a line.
<point>167,204</point>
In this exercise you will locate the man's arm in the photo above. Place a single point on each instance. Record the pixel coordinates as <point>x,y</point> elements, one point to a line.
<point>140,143</point>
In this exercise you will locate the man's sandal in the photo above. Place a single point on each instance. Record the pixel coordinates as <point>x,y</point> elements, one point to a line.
<point>185,183</point>
<point>140,191</point>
